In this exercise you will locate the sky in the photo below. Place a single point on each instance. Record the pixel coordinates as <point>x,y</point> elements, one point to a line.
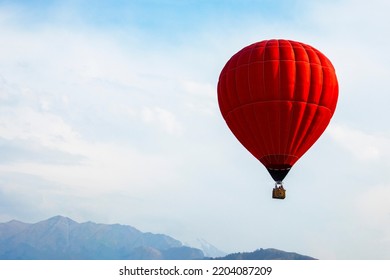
<point>109,113</point>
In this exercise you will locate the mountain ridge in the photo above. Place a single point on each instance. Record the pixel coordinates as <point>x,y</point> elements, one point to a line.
<point>62,238</point>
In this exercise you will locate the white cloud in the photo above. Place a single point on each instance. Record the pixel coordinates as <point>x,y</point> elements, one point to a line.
<point>202,97</point>
<point>85,93</point>
<point>373,207</point>
<point>44,128</point>
<point>363,146</point>
<point>371,215</point>
<point>199,89</point>
<point>162,118</point>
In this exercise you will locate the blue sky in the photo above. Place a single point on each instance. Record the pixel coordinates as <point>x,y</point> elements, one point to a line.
<point>108,112</point>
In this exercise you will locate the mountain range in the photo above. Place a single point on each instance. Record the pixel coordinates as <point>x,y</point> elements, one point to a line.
<point>62,238</point>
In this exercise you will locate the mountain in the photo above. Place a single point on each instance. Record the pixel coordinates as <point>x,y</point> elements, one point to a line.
<point>208,249</point>
<point>62,238</point>
<point>266,254</point>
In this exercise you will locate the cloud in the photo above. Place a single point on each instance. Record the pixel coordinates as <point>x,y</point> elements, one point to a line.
<point>48,129</point>
<point>371,212</point>
<point>93,111</point>
<point>373,208</point>
<point>362,146</point>
<point>164,119</point>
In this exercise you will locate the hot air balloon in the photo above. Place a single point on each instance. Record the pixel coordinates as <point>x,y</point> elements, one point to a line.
<point>277,97</point>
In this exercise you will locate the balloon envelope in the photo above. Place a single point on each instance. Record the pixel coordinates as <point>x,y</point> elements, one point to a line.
<point>277,97</point>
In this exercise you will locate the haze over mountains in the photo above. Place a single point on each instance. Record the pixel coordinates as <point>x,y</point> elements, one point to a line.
<point>62,238</point>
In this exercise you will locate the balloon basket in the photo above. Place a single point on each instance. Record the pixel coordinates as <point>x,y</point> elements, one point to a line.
<point>278,192</point>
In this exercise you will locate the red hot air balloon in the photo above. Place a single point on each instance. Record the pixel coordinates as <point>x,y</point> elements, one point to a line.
<point>277,97</point>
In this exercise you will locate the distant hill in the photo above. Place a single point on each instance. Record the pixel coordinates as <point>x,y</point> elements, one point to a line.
<point>265,254</point>
<point>62,238</point>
